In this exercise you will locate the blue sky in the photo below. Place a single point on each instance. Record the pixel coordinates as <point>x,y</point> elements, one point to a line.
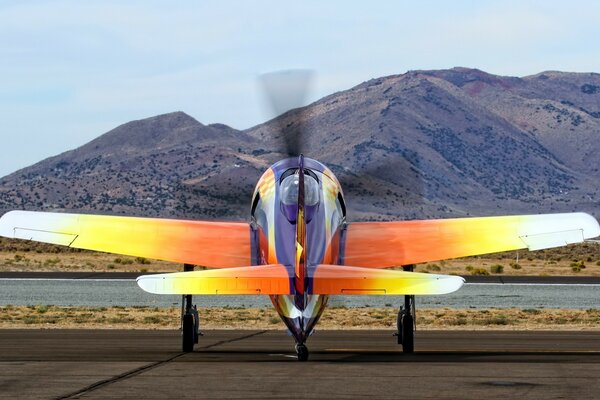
<point>72,70</point>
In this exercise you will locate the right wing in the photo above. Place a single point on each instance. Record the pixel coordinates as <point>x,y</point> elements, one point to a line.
<point>260,279</point>
<point>389,244</point>
<point>210,244</point>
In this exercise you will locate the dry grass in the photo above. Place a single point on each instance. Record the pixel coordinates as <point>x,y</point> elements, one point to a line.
<point>80,262</point>
<point>52,317</point>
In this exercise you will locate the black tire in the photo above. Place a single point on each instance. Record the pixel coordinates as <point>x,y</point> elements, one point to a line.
<point>408,334</point>
<point>302,352</point>
<point>196,325</point>
<point>401,314</point>
<point>187,334</point>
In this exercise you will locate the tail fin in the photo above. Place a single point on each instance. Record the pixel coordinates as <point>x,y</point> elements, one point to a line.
<point>300,270</point>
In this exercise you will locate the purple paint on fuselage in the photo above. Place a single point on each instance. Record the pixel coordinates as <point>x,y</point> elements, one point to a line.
<point>300,313</point>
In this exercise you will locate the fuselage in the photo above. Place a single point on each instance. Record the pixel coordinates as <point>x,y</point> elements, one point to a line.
<point>275,228</point>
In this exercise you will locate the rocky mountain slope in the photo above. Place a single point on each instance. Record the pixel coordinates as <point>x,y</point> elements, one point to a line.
<point>418,145</point>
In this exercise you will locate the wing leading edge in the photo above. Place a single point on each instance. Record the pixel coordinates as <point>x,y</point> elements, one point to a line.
<point>210,244</point>
<point>387,244</point>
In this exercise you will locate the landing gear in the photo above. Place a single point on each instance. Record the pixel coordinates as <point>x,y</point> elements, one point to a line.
<point>406,321</point>
<point>187,333</point>
<point>190,320</point>
<point>302,352</point>
<point>406,327</point>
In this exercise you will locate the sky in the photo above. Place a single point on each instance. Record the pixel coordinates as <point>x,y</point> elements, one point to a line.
<point>73,70</point>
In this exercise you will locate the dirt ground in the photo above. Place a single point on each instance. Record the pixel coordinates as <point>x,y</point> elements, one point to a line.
<point>53,317</point>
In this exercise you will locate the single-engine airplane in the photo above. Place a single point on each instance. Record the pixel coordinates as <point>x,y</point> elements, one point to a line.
<point>298,247</point>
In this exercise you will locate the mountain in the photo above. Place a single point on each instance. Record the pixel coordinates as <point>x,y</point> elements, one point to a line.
<point>422,144</point>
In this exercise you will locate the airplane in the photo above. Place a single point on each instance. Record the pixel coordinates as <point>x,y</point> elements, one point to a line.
<point>299,248</point>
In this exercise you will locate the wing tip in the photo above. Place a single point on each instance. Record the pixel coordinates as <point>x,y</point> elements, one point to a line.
<point>591,228</point>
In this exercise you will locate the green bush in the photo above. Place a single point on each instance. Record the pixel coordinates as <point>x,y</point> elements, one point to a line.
<point>497,269</point>
<point>433,267</point>
<point>515,265</point>
<point>479,271</point>
<point>469,268</point>
<point>577,266</point>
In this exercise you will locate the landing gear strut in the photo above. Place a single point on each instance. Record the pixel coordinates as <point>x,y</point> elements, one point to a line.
<point>302,352</point>
<point>190,320</point>
<point>406,321</point>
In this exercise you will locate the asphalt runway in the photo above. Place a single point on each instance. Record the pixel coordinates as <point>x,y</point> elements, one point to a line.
<point>106,364</point>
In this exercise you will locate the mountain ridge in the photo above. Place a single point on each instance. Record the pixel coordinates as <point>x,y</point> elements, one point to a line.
<point>437,143</point>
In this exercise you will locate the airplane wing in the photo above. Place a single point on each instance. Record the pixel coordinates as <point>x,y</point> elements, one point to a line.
<point>388,244</point>
<point>276,279</point>
<point>341,279</point>
<point>210,244</point>
<point>260,279</point>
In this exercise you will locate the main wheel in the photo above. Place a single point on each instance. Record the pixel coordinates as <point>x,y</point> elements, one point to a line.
<point>188,333</point>
<point>196,324</point>
<point>408,334</point>
<point>398,334</point>
<point>302,352</point>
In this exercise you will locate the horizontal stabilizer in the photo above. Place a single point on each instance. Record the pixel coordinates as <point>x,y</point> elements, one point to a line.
<point>260,279</point>
<point>340,279</point>
<point>388,244</point>
<point>183,241</point>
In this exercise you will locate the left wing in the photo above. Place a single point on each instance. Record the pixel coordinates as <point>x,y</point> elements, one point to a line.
<point>341,279</point>
<point>388,244</point>
<point>210,244</point>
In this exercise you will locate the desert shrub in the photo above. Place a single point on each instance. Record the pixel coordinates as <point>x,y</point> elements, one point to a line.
<point>499,320</point>
<point>433,267</point>
<point>142,260</point>
<point>469,268</point>
<point>42,309</point>
<point>515,265</point>
<point>577,266</point>
<point>497,269</point>
<point>479,271</point>
<point>52,261</point>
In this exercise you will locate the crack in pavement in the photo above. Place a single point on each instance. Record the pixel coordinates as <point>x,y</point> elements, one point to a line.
<point>148,367</point>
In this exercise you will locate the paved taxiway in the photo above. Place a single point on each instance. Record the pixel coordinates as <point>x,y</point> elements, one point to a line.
<point>260,364</point>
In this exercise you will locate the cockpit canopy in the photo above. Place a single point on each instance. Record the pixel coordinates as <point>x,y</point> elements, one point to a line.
<point>289,190</point>
<point>288,193</point>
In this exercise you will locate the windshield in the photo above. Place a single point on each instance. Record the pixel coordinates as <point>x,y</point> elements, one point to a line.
<point>289,190</point>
